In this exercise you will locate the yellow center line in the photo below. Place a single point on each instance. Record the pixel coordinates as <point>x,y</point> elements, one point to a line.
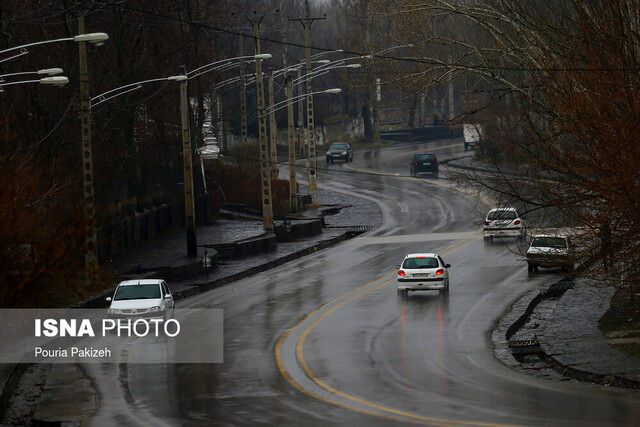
<point>409,417</point>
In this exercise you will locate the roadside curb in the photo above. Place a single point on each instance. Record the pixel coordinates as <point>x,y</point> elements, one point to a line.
<point>558,288</point>
<point>323,244</point>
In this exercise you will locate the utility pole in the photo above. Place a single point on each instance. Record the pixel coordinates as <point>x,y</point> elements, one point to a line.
<point>265,179</point>
<point>312,161</point>
<point>189,203</point>
<point>300,114</point>
<point>243,94</point>
<point>375,95</point>
<point>376,107</point>
<point>451,105</point>
<point>293,186</point>
<point>92,272</point>
<point>273,132</point>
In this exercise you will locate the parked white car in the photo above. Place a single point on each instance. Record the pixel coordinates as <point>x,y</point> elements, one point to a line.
<point>142,298</point>
<point>550,251</point>
<point>422,272</point>
<point>503,222</point>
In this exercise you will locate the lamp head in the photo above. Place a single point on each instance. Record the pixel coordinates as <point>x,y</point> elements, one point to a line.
<point>94,38</point>
<point>54,81</point>
<point>178,78</point>
<point>50,71</point>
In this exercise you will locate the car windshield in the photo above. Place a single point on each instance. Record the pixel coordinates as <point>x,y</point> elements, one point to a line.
<point>425,157</point>
<point>423,262</point>
<point>338,147</point>
<point>549,242</point>
<point>137,292</point>
<point>502,215</point>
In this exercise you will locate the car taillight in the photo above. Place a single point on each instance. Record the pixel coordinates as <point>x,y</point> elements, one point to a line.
<point>486,223</point>
<point>437,161</point>
<point>415,163</point>
<point>516,222</point>
<point>439,272</point>
<point>401,273</point>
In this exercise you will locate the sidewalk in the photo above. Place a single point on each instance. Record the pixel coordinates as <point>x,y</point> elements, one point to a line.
<point>573,340</point>
<point>553,332</point>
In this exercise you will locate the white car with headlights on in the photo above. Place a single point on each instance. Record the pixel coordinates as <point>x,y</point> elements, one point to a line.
<point>145,298</point>
<point>423,272</point>
<point>503,222</point>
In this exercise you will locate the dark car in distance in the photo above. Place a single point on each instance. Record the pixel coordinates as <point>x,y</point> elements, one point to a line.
<point>426,162</point>
<point>339,151</point>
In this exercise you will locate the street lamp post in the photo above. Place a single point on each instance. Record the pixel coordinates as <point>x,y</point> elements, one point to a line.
<point>189,198</point>
<point>273,137</point>
<point>312,162</point>
<point>265,179</point>
<point>92,271</point>
<point>293,185</point>
<point>91,234</point>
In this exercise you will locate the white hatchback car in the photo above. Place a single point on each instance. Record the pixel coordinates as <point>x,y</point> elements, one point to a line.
<point>142,298</point>
<point>503,222</point>
<point>423,272</point>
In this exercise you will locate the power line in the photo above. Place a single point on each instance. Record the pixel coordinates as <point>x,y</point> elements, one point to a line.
<point>356,53</point>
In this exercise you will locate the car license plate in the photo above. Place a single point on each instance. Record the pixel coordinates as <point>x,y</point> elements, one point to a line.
<point>426,163</point>
<point>421,275</point>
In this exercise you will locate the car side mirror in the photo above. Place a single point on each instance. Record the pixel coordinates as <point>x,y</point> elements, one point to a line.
<point>167,296</point>
<point>108,299</point>
<point>447,265</point>
<point>398,267</point>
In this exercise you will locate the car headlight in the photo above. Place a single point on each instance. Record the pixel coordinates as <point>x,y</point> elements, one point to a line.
<point>344,152</point>
<point>114,311</point>
<point>152,309</point>
<point>328,153</point>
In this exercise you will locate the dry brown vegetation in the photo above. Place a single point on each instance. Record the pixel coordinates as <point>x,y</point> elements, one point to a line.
<point>558,89</point>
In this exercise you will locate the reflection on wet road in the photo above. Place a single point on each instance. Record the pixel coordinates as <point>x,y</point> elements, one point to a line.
<point>325,339</point>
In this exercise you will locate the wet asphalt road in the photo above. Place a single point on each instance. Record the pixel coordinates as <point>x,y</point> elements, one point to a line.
<point>325,339</point>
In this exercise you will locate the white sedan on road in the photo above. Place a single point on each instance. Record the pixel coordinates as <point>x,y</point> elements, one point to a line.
<point>423,272</point>
<point>142,298</point>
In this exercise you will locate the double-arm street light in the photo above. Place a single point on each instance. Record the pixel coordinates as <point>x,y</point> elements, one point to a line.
<point>91,239</point>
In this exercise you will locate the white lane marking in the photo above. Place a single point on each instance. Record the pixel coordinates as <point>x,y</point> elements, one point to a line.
<point>406,238</point>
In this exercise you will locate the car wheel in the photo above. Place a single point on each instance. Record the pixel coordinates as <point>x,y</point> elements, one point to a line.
<point>402,293</point>
<point>435,174</point>
<point>445,291</point>
<point>488,240</point>
<point>530,268</point>
<point>413,173</point>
